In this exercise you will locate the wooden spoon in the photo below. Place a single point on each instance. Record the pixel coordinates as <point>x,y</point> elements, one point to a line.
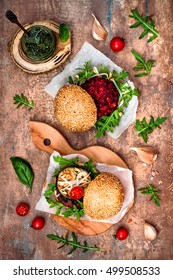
<point>49,139</point>
<point>13,18</point>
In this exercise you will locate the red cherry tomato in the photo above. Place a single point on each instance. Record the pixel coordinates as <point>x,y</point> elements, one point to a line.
<point>38,223</point>
<point>122,233</point>
<point>117,44</point>
<point>22,209</point>
<point>76,193</point>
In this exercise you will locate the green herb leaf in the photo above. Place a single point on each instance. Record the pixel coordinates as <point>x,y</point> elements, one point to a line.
<point>145,128</point>
<point>23,170</point>
<point>63,162</point>
<point>70,80</point>
<point>119,76</point>
<point>54,203</point>
<point>64,32</point>
<point>107,123</point>
<point>75,212</point>
<point>142,64</point>
<point>74,243</point>
<point>90,167</point>
<point>151,190</point>
<point>146,23</point>
<point>50,191</point>
<point>23,101</point>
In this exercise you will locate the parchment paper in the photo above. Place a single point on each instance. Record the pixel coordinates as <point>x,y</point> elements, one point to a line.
<point>89,53</point>
<point>124,174</point>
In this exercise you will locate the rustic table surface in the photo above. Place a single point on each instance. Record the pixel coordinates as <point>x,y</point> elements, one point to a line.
<point>18,239</point>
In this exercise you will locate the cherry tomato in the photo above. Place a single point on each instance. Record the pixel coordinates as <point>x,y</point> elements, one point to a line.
<point>76,193</point>
<point>38,223</point>
<point>122,233</point>
<point>22,209</point>
<point>117,44</point>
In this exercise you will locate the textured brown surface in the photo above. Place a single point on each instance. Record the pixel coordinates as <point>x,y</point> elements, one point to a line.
<point>18,240</point>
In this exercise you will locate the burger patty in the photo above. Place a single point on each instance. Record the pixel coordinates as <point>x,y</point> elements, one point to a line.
<point>104,93</point>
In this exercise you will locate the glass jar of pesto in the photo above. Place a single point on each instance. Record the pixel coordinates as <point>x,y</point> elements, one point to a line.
<point>39,44</point>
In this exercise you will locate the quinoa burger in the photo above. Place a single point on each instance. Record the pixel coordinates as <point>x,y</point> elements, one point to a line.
<point>103,197</point>
<point>75,109</point>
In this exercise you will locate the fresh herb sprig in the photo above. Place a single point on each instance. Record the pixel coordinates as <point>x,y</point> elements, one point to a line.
<point>151,190</point>
<point>22,100</point>
<point>107,123</point>
<point>89,166</point>
<point>142,64</point>
<point>64,162</point>
<point>146,22</point>
<point>23,171</point>
<point>75,211</point>
<point>89,71</point>
<point>66,211</point>
<point>145,128</point>
<point>74,243</point>
<point>64,32</point>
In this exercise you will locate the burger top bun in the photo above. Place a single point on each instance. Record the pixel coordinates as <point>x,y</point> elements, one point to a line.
<point>74,108</point>
<point>103,197</point>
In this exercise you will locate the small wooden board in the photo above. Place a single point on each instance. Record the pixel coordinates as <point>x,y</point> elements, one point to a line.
<point>40,132</point>
<point>61,53</point>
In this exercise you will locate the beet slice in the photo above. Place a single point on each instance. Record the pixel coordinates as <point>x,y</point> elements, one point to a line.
<point>104,93</point>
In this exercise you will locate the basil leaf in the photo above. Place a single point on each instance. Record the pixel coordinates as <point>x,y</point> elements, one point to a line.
<point>64,32</point>
<point>23,170</point>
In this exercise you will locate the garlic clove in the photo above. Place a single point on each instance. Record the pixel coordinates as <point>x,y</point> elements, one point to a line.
<point>146,154</point>
<point>149,232</point>
<point>99,33</point>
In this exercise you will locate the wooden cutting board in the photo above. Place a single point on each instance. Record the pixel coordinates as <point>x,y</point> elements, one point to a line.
<point>49,139</point>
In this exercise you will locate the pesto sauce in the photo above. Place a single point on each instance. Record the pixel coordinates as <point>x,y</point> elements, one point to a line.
<point>40,44</point>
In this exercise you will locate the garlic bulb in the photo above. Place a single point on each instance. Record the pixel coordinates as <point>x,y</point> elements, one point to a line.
<point>99,33</point>
<point>149,232</point>
<point>146,154</point>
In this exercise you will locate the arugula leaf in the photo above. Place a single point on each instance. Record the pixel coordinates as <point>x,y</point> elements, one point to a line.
<point>88,72</point>
<point>107,123</point>
<point>68,212</point>
<point>23,101</point>
<point>145,128</point>
<point>50,191</point>
<point>54,203</point>
<point>146,22</point>
<point>151,190</point>
<point>63,162</point>
<point>74,243</point>
<point>70,80</point>
<point>23,170</point>
<point>142,64</point>
<point>119,76</point>
<point>90,167</point>
<point>64,32</point>
<point>76,212</point>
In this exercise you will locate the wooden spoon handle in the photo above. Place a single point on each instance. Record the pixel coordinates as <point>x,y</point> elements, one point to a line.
<point>13,18</point>
<point>49,139</point>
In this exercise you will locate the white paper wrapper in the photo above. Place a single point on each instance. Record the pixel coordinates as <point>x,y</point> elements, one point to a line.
<point>124,174</point>
<point>89,53</point>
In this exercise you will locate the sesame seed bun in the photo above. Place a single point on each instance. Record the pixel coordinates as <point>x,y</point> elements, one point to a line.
<point>104,196</point>
<point>75,109</point>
